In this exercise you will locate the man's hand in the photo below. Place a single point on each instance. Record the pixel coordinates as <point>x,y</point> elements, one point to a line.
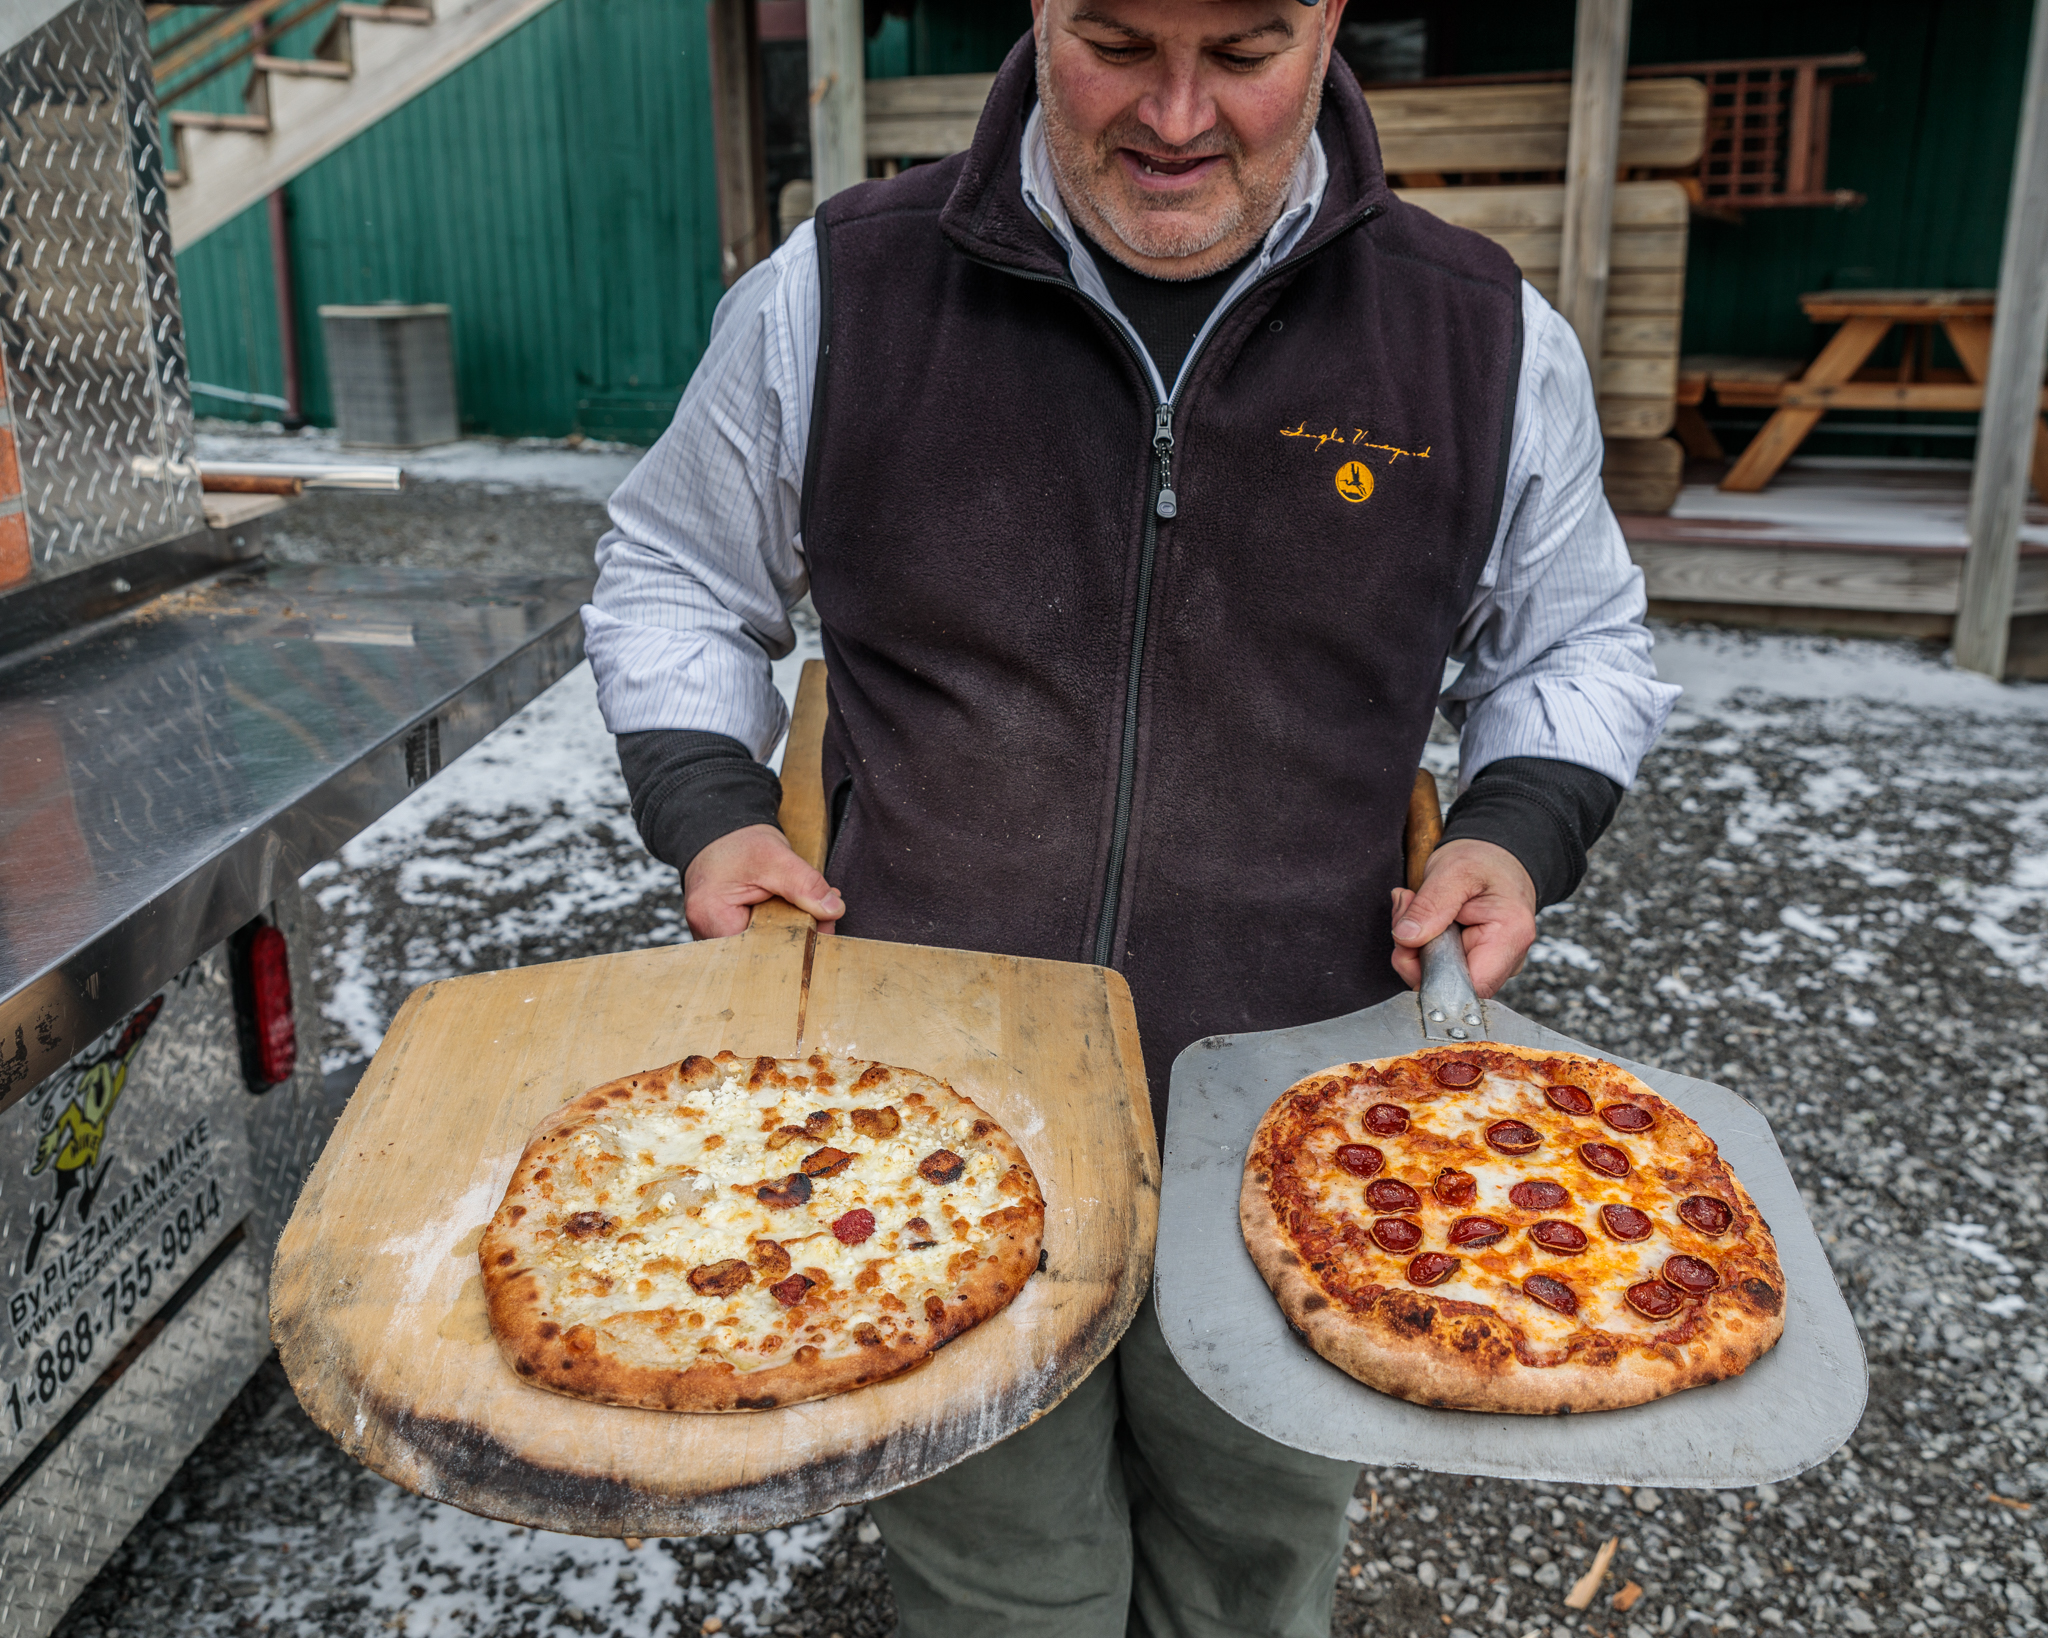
<point>744,867</point>
<point>1480,885</point>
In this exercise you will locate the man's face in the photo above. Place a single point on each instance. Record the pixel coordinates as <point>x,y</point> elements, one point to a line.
<point>1175,125</point>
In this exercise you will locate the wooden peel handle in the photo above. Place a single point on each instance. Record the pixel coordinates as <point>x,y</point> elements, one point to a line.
<point>802,815</point>
<point>1425,827</point>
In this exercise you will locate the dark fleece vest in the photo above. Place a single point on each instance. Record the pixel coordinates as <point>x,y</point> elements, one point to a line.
<point>1064,726</point>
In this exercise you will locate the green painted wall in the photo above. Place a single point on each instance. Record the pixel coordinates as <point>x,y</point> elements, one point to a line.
<point>556,191</point>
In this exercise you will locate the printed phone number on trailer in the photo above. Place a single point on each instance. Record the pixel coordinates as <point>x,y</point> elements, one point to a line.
<point>56,1365</point>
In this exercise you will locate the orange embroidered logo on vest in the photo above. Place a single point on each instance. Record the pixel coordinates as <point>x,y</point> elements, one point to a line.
<point>1354,480</point>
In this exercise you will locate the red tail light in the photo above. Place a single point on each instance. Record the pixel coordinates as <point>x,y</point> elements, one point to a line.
<point>270,995</point>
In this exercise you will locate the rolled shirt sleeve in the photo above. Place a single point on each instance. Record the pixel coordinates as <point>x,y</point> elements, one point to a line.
<point>703,562</point>
<point>1556,657</point>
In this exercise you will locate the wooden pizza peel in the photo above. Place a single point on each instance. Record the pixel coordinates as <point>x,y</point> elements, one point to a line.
<point>1789,1411</point>
<point>376,1299</point>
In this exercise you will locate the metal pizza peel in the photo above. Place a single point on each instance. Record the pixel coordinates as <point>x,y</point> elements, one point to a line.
<point>1790,1410</point>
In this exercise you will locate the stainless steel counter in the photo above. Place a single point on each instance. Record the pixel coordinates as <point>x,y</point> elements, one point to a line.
<point>162,768</point>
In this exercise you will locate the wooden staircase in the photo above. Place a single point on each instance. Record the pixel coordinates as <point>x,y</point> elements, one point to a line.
<point>297,110</point>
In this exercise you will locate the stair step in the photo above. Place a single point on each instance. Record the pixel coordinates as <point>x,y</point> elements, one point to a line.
<point>193,120</point>
<point>318,68</point>
<point>418,16</point>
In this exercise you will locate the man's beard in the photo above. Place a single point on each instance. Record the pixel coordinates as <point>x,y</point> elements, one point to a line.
<point>1159,229</point>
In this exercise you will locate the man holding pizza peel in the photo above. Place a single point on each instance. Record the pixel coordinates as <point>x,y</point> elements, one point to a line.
<point>1145,463</point>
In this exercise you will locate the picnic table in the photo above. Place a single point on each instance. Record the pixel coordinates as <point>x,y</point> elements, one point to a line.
<point>1839,377</point>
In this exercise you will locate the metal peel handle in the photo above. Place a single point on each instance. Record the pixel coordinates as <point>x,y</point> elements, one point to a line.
<point>1450,1006</point>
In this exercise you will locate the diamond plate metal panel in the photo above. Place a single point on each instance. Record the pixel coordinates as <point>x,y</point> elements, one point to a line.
<point>90,333</point>
<point>64,1524</point>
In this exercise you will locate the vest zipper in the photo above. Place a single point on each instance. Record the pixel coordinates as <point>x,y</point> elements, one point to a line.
<point>1161,503</point>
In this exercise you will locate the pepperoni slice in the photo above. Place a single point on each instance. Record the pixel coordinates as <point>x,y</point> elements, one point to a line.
<point>1390,1194</point>
<point>1626,1223</point>
<point>1456,1073</point>
<point>1540,1194</point>
<point>1605,1159</point>
<point>1396,1234</point>
<point>1386,1120</point>
<point>1627,1117</point>
<point>1552,1293</point>
<point>1432,1268</point>
<point>1690,1275</point>
<point>1361,1159</point>
<point>1653,1299</point>
<point>1570,1099</point>
<point>1512,1137</point>
<point>1473,1232</point>
<point>1560,1237</point>
<point>1455,1188</point>
<point>1705,1213</point>
<point>854,1227</point>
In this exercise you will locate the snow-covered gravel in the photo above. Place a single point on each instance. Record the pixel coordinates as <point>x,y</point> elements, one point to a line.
<point>1829,891</point>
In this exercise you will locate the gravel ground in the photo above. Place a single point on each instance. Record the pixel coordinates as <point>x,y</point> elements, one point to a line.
<point>1829,891</point>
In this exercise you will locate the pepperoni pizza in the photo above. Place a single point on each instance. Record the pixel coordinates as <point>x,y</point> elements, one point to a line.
<point>1494,1228</point>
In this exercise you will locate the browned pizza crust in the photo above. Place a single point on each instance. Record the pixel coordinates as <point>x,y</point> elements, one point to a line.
<point>1350,1301</point>
<point>839,1334</point>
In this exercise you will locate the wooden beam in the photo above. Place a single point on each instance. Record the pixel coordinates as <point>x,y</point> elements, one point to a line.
<point>1592,150</point>
<point>2012,386</point>
<point>739,139</point>
<point>839,155</point>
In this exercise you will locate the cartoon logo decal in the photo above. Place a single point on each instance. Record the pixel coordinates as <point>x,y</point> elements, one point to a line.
<point>77,1127</point>
<point>1354,480</point>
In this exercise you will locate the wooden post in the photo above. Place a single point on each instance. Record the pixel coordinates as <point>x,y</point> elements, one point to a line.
<point>1592,152</point>
<point>2012,386</point>
<point>839,156</point>
<point>738,138</point>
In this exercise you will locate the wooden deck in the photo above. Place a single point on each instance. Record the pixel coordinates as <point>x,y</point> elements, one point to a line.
<point>1834,545</point>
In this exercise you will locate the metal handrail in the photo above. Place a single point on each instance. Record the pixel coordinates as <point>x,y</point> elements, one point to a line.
<point>255,18</point>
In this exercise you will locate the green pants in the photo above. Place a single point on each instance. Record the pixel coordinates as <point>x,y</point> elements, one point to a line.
<point>1135,1508</point>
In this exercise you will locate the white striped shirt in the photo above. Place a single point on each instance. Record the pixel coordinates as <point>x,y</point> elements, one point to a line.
<point>703,563</point>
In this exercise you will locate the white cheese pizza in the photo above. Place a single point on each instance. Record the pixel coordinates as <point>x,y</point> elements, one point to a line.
<point>737,1234</point>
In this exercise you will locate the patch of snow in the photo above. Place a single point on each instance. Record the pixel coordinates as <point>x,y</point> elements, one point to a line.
<point>2005,1305</point>
<point>1969,1239</point>
<point>1551,948</point>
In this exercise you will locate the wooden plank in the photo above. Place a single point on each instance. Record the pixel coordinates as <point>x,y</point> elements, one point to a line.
<point>1593,150</point>
<point>1817,577</point>
<point>803,816</point>
<point>1636,417</point>
<point>1914,306</point>
<point>739,138</point>
<point>1524,127</point>
<point>1624,377</point>
<point>2008,430</point>
<point>925,116</point>
<point>838,96</point>
<point>1642,474</point>
<point>1643,334</point>
<point>1541,205</point>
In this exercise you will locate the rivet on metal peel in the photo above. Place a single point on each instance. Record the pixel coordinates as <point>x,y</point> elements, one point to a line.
<point>1457,1035</point>
<point>1437,1017</point>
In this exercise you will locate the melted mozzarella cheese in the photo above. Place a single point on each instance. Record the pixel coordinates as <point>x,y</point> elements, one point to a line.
<point>677,1185</point>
